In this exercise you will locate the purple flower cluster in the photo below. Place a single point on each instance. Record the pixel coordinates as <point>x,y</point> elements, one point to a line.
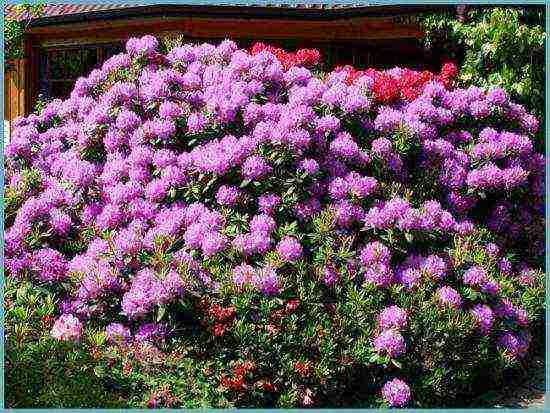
<point>398,213</point>
<point>484,316</point>
<point>411,272</point>
<point>116,332</point>
<point>289,249</point>
<point>514,345</point>
<point>448,296</point>
<point>263,279</point>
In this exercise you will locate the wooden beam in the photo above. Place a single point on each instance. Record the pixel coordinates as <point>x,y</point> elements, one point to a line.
<point>348,29</point>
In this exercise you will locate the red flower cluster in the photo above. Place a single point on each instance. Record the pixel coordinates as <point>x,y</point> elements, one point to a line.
<point>350,71</point>
<point>221,314</point>
<point>303,369</point>
<point>302,57</point>
<point>448,74</point>
<point>385,87</point>
<point>411,83</point>
<point>266,385</point>
<point>290,307</point>
<point>218,317</point>
<point>406,84</point>
<point>236,382</point>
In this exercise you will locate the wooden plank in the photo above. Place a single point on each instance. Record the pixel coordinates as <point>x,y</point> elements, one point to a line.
<point>7,84</point>
<point>22,72</point>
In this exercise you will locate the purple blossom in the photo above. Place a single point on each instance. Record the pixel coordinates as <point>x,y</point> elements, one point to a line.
<point>392,318</point>
<point>475,276</point>
<point>49,265</point>
<point>330,275</point>
<point>212,243</point>
<point>381,147</point>
<point>514,345</point>
<point>434,267</point>
<point>267,281</point>
<point>344,146</point>
<point>390,343</point>
<point>116,332</point>
<point>289,249</point>
<point>309,166</point>
<point>448,296</point>
<point>268,202</point>
<point>484,317</point>
<point>380,275</point>
<point>374,253</point>
<point>151,332</point>
<point>255,167</point>
<point>492,250</point>
<point>227,195</point>
<point>262,223</point>
<point>243,274</point>
<point>396,393</point>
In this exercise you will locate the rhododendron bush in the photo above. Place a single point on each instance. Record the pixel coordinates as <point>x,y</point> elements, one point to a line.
<point>352,238</point>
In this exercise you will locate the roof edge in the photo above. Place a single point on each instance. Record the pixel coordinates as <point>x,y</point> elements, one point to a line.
<point>230,11</point>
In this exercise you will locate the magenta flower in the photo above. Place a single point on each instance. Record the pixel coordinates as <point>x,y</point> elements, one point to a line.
<point>475,276</point>
<point>448,296</point>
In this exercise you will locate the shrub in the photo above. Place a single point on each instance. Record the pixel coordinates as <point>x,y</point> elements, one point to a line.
<point>40,371</point>
<point>300,238</point>
<point>496,46</point>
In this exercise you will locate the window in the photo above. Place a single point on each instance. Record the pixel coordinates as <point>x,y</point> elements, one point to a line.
<point>60,67</point>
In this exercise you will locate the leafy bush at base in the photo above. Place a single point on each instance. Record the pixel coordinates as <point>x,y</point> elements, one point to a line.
<point>41,372</point>
<point>222,227</point>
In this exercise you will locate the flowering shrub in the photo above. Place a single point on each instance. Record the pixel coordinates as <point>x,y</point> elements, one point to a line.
<point>341,239</point>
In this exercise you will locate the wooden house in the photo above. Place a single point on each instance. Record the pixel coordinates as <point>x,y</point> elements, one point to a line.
<point>69,40</point>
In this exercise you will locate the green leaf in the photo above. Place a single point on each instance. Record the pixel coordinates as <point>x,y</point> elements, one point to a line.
<point>161,312</point>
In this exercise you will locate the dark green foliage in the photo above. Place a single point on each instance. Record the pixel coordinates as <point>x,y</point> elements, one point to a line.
<point>14,29</point>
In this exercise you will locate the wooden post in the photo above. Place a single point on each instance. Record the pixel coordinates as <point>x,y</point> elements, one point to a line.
<point>31,74</point>
<point>461,12</point>
<point>14,89</point>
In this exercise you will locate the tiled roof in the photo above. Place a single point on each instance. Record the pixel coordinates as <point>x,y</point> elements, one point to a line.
<point>10,10</point>
<point>51,10</point>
